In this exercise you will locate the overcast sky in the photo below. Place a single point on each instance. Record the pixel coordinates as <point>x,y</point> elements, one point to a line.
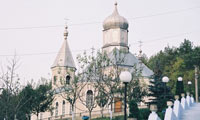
<point>34,27</point>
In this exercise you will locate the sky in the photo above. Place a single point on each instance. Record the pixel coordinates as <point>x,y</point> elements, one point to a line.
<point>33,29</point>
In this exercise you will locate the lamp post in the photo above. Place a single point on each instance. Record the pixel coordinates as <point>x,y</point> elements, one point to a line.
<point>125,77</point>
<point>179,86</point>
<point>165,79</point>
<point>189,84</point>
<point>180,79</point>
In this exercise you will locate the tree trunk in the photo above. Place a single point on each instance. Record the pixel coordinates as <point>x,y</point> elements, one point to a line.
<point>37,116</point>
<point>15,117</point>
<point>27,116</point>
<point>111,112</point>
<point>6,114</point>
<point>90,112</point>
<point>102,112</point>
<point>73,117</point>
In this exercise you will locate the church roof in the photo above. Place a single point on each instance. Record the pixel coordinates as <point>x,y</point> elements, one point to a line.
<point>130,61</point>
<point>115,21</point>
<point>64,57</point>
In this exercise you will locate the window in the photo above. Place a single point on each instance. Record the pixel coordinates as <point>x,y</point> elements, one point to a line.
<point>89,98</point>
<point>68,79</point>
<point>54,79</point>
<point>56,113</point>
<point>63,108</point>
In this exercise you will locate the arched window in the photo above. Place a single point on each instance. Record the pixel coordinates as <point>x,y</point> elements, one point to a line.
<point>56,113</point>
<point>89,98</point>
<point>54,79</point>
<point>63,108</point>
<point>68,79</point>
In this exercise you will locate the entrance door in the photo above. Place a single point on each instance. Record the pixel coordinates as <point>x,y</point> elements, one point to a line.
<point>118,105</point>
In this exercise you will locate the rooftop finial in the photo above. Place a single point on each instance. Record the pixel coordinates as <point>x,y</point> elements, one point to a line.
<point>115,11</point>
<point>116,3</point>
<point>66,31</point>
<point>140,46</point>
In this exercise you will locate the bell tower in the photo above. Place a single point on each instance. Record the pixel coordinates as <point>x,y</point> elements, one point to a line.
<point>63,68</point>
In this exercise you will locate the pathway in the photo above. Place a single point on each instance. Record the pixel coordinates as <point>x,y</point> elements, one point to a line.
<point>193,113</point>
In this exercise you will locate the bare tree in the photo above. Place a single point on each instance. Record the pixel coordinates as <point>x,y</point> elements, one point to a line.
<point>10,84</point>
<point>103,72</point>
<point>11,88</point>
<point>88,99</point>
<point>88,76</point>
<point>71,92</point>
<point>111,69</point>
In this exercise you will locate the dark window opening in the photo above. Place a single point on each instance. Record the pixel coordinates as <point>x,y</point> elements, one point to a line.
<point>56,113</point>
<point>68,79</point>
<point>89,98</point>
<point>54,79</point>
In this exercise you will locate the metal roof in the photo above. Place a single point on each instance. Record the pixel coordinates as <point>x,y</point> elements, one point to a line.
<point>127,59</point>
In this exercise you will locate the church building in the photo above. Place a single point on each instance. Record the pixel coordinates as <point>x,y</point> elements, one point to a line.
<point>115,36</point>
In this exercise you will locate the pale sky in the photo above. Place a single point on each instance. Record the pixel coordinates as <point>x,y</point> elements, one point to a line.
<point>26,27</point>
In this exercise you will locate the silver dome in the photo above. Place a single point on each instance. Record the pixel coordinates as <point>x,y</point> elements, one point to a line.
<point>115,21</point>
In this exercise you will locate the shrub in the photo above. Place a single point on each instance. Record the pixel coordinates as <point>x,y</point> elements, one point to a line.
<point>119,118</point>
<point>144,113</point>
<point>133,110</point>
<point>161,115</point>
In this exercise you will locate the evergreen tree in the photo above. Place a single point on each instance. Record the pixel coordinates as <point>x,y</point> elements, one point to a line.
<point>42,98</point>
<point>159,93</point>
<point>133,109</point>
<point>177,61</point>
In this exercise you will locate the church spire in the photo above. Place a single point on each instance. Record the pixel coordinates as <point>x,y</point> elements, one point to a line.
<point>64,57</point>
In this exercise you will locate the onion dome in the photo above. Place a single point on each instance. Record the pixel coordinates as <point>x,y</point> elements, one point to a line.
<point>115,21</point>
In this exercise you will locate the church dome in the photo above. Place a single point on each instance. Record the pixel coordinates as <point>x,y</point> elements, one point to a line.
<point>115,21</point>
